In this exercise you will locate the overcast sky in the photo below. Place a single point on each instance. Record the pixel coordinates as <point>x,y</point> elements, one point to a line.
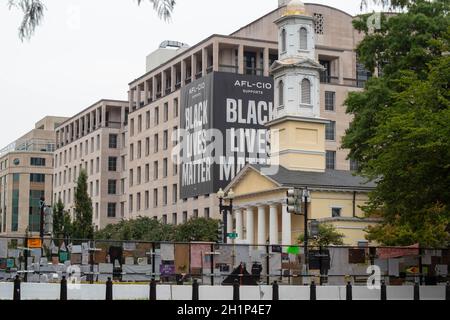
<point>88,50</point>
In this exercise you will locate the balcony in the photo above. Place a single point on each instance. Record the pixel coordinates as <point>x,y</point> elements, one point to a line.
<point>113,124</point>
<point>254,71</point>
<point>209,69</point>
<point>325,78</point>
<point>198,75</point>
<point>228,68</point>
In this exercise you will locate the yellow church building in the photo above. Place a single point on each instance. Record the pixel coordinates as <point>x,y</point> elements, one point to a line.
<point>297,154</point>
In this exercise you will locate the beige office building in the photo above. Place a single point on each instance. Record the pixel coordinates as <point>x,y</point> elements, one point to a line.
<point>94,140</point>
<point>154,102</point>
<point>26,176</point>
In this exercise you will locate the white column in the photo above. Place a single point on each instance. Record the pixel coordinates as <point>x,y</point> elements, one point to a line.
<point>286,226</point>
<point>262,236</point>
<point>239,229</point>
<point>273,224</point>
<point>250,237</point>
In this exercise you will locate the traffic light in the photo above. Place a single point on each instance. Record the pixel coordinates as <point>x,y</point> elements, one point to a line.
<point>220,232</point>
<point>294,201</point>
<point>48,220</point>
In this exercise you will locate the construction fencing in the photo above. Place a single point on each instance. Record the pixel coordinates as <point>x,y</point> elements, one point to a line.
<point>217,264</point>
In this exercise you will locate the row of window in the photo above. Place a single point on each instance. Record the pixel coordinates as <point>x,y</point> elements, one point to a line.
<point>145,175</point>
<point>136,152</point>
<point>138,121</point>
<point>206,214</point>
<point>330,160</point>
<point>143,199</point>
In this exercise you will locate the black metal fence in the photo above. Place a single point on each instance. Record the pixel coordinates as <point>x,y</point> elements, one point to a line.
<point>218,264</point>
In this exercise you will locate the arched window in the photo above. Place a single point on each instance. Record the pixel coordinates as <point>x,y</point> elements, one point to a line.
<point>281,93</point>
<point>306,91</point>
<point>283,40</point>
<point>303,39</point>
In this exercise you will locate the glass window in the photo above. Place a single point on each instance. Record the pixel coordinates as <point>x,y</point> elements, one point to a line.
<point>331,160</point>
<point>280,93</point>
<point>113,141</point>
<point>283,40</point>
<point>37,177</point>
<point>330,130</point>
<point>336,212</point>
<point>330,100</point>
<point>185,216</point>
<point>38,162</point>
<point>112,186</point>
<point>112,210</point>
<point>303,39</point>
<point>306,91</point>
<point>112,163</point>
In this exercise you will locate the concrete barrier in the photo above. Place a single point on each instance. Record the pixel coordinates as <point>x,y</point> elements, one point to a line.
<point>294,293</point>
<point>51,291</point>
<point>130,292</point>
<point>86,292</point>
<point>364,293</point>
<point>6,290</point>
<point>40,291</point>
<point>330,292</point>
<point>181,292</point>
<point>214,293</point>
<point>432,292</point>
<point>400,293</point>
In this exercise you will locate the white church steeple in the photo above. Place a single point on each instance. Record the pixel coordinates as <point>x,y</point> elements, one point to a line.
<point>296,72</point>
<point>297,131</point>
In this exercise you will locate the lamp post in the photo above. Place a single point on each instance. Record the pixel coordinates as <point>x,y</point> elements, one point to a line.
<point>306,195</point>
<point>224,209</point>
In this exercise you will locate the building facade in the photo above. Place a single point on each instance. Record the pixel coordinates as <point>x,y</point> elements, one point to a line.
<point>299,160</point>
<point>26,176</point>
<point>155,100</point>
<point>94,140</point>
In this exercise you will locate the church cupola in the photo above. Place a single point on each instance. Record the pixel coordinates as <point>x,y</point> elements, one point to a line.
<point>297,126</point>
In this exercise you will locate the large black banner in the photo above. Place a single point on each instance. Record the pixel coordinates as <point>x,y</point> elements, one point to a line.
<point>223,117</point>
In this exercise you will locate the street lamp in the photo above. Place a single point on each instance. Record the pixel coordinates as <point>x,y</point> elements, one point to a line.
<point>306,196</point>
<point>225,209</point>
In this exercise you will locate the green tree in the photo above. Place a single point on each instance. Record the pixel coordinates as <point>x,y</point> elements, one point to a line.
<point>141,228</point>
<point>33,13</point>
<point>328,235</point>
<point>82,225</point>
<point>399,134</point>
<point>197,229</point>
<point>62,224</point>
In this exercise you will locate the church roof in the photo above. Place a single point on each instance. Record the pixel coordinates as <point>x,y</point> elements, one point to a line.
<point>330,179</point>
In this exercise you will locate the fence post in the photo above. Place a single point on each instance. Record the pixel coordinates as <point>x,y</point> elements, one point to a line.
<point>195,294</point>
<point>275,291</point>
<point>153,289</point>
<point>416,291</point>
<point>63,290</point>
<point>109,289</point>
<point>236,290</point>
<point>348,291</point>
<point>447,291</point>
<point>16,293</point>
<point>383,291</point>
<point>312,291</point>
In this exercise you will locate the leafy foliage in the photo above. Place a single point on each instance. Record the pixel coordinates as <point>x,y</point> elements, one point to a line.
<point>400,130</point>
<point>62,224</point>
<point>148,229</point>
<point>33,13</point>
<point>197,229</point>
<point>328,235</point>
<point>82,225</point>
